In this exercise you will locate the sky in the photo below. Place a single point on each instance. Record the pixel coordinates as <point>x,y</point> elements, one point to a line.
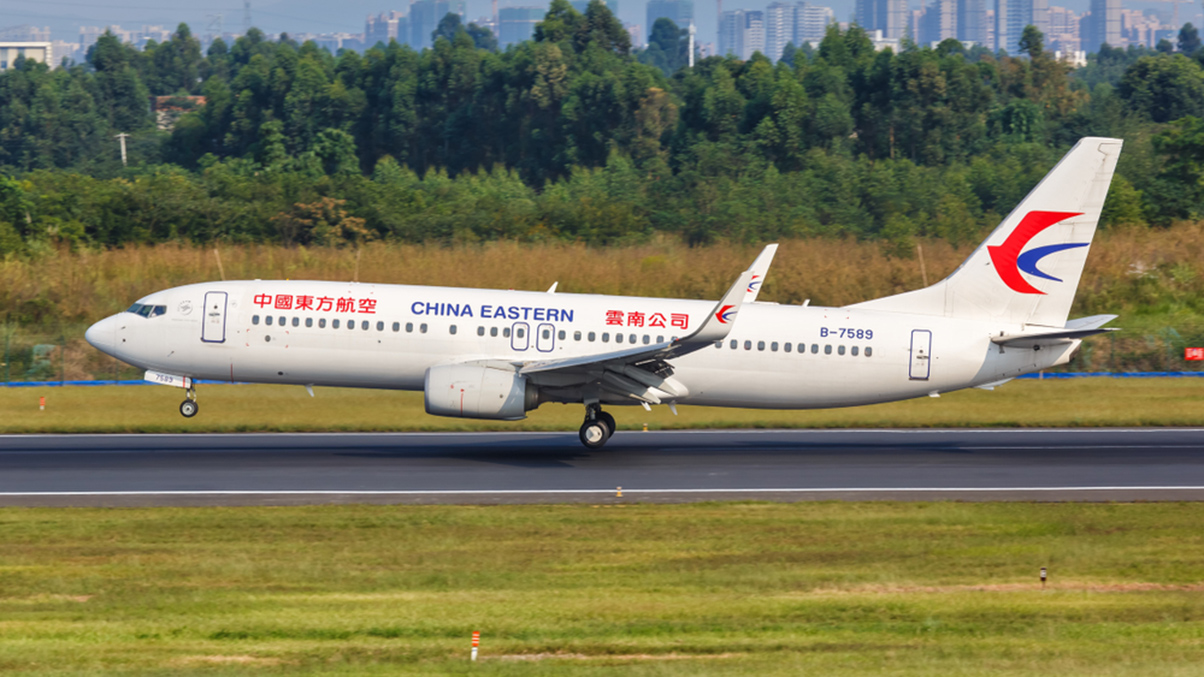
<point>64,17</point>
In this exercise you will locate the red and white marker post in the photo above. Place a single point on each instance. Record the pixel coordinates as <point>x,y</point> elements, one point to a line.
<point>476,643</point>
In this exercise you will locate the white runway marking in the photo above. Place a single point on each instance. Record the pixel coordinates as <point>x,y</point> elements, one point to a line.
<point>485,492</point>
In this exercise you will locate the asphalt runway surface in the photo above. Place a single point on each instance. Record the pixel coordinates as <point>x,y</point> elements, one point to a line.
<point>677,466</point>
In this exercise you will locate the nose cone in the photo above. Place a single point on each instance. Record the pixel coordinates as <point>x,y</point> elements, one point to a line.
<point>103,335</point>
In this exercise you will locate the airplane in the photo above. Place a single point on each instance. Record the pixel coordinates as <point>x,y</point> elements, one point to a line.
<point>497,354</point>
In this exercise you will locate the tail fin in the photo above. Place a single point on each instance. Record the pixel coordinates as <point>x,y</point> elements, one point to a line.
<point>1052,227</point>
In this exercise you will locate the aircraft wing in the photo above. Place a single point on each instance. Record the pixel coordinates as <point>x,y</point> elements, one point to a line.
<point>644,373</point>
<point>759,269</point>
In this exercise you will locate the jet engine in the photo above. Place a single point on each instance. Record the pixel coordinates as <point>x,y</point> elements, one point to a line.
<point>478,391</point>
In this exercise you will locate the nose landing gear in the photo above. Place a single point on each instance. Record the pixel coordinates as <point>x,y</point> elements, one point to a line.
<point>189,408</point>
<point>598,427</point>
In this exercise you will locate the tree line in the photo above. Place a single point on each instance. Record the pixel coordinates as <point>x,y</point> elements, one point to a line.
<point>575,135</point>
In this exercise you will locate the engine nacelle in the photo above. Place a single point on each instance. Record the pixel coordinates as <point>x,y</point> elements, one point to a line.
<point>478,391</point>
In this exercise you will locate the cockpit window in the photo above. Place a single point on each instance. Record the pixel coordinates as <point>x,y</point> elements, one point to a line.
<point>147,310</point>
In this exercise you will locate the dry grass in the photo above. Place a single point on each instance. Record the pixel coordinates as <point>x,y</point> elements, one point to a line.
<point>89,284</point>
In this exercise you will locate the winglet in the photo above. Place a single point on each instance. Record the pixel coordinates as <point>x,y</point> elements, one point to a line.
<point>759,269</point>
<point>722,316</point>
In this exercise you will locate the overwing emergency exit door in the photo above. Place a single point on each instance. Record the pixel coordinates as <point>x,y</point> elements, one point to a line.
<point>213,327</point>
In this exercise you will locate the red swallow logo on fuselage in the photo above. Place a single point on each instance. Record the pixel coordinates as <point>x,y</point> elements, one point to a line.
<point>1009,261</point>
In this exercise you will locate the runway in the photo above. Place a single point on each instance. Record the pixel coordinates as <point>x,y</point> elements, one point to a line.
<point>676,466</point>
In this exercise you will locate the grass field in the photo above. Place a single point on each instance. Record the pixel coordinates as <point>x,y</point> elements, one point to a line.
<point>232,408</point>
<point>737,588</point>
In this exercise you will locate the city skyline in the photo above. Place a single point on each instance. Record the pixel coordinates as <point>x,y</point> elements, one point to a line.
<point>313,16</point>
<point>765,27</point>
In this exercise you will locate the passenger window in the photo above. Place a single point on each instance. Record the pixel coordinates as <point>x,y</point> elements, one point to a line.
<point>606,337</point>
<point>828,349</point>
<point>296,322</point>
<point>576,336</point>
<point>351,325</point>
<point>840,350</point>
<point>268,320</point>
<point>631,338</point>
<point>618,338</point>
<point>760,345</point>
<point>869,351</point>
<point>591,337</point>
<point>396,327</point>
<point>322,323</point>
<point>254,319</point>
<point>660,339</point>
<point>853,351</point>
<point>718,344</point>
<point>547,334</point>
<point>774,346</point>
<point>409,327</point>
<point>281,320</point>
<point>647,339</point>
<point>561,335</point>
<point>363,325</point>
<point>734,344</point>
<point>748,345</point>
<point>480,331</point>
<point>309,322</point>
<point>380,326</point>
<point>493,331</point>
<point>814,348</point>
<point>520,332</point>
<point>334,324</point>
<point>506,332</point>
<point>452,329</point>
<point>422,328</point>
<point>786,346</point>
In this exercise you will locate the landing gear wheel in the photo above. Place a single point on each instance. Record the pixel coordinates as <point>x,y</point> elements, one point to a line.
<point>594,434</point>
<point>609,421</point>
<point>188,408</point>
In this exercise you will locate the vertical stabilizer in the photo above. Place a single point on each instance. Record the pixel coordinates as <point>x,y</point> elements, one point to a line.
<point>1027,271</point>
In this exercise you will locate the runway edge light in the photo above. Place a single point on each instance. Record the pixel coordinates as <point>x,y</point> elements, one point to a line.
<point>476,642</point>
<point>1042,578</point>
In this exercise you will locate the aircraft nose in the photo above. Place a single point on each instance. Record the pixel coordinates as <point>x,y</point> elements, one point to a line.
<point>103,335</point>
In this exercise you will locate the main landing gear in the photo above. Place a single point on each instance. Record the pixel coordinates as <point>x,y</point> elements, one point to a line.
<point>598,427</point>
<point>189,406</point>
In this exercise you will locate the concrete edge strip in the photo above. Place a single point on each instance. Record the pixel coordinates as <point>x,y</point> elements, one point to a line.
<point>485,492</point>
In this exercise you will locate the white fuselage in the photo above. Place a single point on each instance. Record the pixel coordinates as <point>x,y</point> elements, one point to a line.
<point>787,357</point>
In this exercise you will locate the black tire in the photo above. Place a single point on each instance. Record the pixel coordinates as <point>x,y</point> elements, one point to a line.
<point>609,420</point>
<point>594,434</point>
<point>188,408</point>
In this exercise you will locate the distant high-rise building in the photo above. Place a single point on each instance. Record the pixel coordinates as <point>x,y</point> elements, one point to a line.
<point>888,16</point>
<point>779,28</point>
<point>10,52</point>
<point>1063,33</point>
<point>1101,25</point>
<point>636,33</point>
<point>518,23</point>
<point>680,12</point>
<point>385,27</point>
<point>754,34</point>
<point>972,21</point>
<point>425,16</point>
<point>811,22</point>
<point>939,22</point>
<point>741,33</point>
<point>1011,16</point>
